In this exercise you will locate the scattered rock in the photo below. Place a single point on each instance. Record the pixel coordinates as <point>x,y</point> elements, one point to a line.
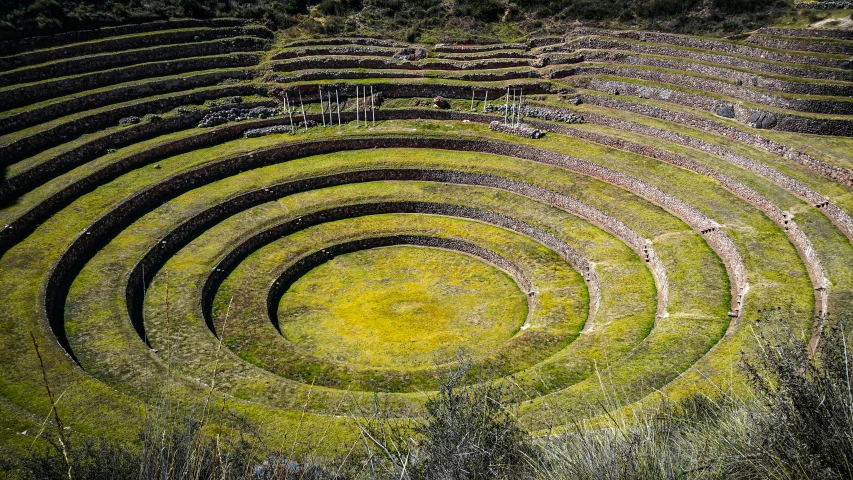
<point>129,121</point>
<point>522,130</point>
<point>724,110</point>
<point>260,132</point>
<point>377,99</point>
<point>236,115</point>
<point>440,102</point>
<point>545,113</point>
<point>575,100</point>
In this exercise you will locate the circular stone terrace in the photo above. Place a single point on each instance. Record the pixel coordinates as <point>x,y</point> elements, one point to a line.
<point>294,225</point>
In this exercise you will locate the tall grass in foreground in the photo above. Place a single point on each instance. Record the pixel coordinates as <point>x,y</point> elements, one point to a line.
<point>797,425</point>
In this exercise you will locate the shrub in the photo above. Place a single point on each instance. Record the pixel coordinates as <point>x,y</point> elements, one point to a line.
<point>483,10</point>
<point>466,431</point>
<point>806,428</point>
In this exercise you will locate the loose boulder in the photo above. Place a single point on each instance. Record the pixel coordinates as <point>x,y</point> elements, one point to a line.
<point>439,102</point>
<point>762,120</point>
<point>725,110</point>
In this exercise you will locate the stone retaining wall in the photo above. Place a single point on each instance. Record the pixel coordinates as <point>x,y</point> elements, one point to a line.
<point>824,5</point>
<point>484,55</point>
<point>783,220</point>
<point>816,46</point>
<point>783,122</point>
<point>754,65</point>
<point>520,130</point>
<point>48,41</point>
<point>451,48</point>
<point>111,60</point>
<point>712,45</point>
<point>113,96</point>
<point>841,175</point>
<point>739,77</point>
<point>313,260</point>
<point>31,93</point>
<point>543,41</point>
<point>133,42</point>
<point>808,32</point>
<point>717,87</point>
<point>344,74</point>
<point>312,63</point>
<point>343,50</point>
<point>409,90</point>
<point>56,135</point>
<point>368,41</point>
<point>33,177</point>
<point>188,230</point>
<point>85,245</point>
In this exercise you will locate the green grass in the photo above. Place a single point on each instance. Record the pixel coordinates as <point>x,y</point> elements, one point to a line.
<point>410,156</point>
<point>381,319</point>
<point>580,80</point>
<point>401,307</point>
<point>186,75</point>
<point>773,93</point>
<point>719,65</point>
<point>557,314</point>
<point>744,57</point>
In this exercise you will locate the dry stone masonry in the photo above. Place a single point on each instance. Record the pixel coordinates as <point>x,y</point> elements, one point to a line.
<point>99,132</point>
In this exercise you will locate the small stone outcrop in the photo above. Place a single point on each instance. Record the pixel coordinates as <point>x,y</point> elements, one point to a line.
<point>126,121</point>
<point>761,119</point>
<point>410,54</point>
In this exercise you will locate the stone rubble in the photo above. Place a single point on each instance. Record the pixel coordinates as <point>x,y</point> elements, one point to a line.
<point>237,115</point>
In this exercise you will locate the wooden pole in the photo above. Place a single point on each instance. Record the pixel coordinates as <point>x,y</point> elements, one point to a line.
<point>356,106</point>
<point>506,105</point>
<point>486,100</point>
<point>338,102</point>
<point>304,118</point>
<point>329,97</point>
<point>512,118</point>
<point>472,99</point>
<point>372,106</point>
<point>520,96</point>
<point>289,113</point>
<point>322,112</point>
<point>364,92</point>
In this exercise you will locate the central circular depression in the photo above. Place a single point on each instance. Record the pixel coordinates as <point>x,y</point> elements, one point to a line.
<point>401,307</point>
